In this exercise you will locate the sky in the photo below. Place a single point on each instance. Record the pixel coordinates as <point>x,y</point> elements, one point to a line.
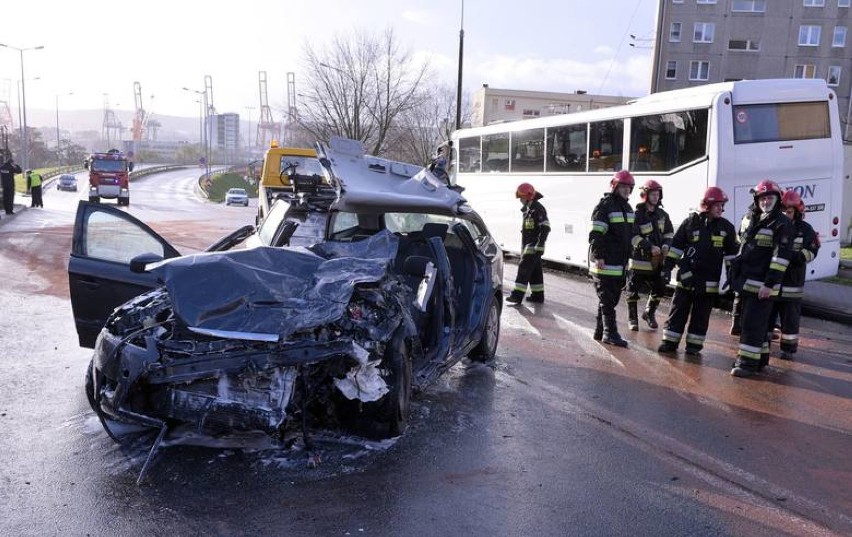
<point>97,49</point>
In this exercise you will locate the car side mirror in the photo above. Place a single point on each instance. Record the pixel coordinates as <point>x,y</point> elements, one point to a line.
<point>138,265</point>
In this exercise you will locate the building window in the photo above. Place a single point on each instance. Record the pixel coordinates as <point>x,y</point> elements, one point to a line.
<point>510,104</point>
<point>744,44</point>
<point>809,35</point>
<point>805,71</point>
<point>671,70</point>
<point>528,112</point>
<point>833,78</point>
<point>699,70</point>
<point>814,3</point>
<point>705,1</point>
<point>674,33</point>
<point>842,3</point>
<point>753,6</point>
<point>703,32</point>
<point>677,1</point>
<point>839,39</point>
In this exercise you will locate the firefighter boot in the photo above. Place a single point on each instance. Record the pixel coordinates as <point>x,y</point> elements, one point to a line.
<point>515,297</point>
<point>610,333</point>
<point>648,314</point>
<point>536,296</point>
<point>667,347</point>
<point>633,316</point>
<point>598,335</point>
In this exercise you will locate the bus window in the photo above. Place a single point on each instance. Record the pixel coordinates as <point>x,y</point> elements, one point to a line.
<point>495,152</point>
<point>662,142</point>
<point>528,151</point>
<point>566,149</point>
<point>605,145</point>
<point>780,122</point>
<point>470,155</point>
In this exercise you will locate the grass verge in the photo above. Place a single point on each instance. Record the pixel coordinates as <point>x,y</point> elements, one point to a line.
<point>221,184</point>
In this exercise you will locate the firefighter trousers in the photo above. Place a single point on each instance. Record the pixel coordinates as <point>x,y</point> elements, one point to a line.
<point>753,351</point>
<point>694,307</point>
<point>639,282</point>
<point>608,289</point>
<point>790,313</point>
<point>529,273</point>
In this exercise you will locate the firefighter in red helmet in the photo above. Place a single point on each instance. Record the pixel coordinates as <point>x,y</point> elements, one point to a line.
<point>534,230</point>
<point>788,307</point>
<point>609,251</point>
<point>652,236</point>
<point>757,273</point>
<point>703,242</point>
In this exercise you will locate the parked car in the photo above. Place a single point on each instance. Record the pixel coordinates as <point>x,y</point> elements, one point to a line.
<point>236,196</point>
<point>66,181</point>
<point>347,297</point>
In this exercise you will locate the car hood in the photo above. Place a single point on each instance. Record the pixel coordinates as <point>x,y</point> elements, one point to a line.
<point>269,293</point>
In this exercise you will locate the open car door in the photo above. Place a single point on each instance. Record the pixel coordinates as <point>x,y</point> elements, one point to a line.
<point>105,240</point>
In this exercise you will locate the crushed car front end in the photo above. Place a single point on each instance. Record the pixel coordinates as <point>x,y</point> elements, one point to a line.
<point>220,368</point>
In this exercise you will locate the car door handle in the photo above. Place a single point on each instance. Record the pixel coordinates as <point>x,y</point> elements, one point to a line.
<point>90,283</point>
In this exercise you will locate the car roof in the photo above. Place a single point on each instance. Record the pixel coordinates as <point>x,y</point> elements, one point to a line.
<point>67,176</point>
<point>240,190</point>
<point>370,184</point>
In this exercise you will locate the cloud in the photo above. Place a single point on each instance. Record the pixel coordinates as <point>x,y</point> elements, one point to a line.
<point>626,76</point>
<point>604,50</point>
<point>418,16</point>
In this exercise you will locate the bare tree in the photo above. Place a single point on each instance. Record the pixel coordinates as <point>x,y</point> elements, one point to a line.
<point>422,128</point>
<point>357,87</point>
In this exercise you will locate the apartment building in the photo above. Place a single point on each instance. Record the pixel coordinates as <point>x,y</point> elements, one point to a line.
<point>492,105</point>
<point>705,41</point>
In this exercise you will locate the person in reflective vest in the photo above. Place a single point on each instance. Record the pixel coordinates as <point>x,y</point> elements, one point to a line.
<point>702,243</point>
<point>609,251</point>
<point>652,236</point>
<point>535,228</point>
<point>757,273</point>
<point>788,307</point>
<point>34,184</point>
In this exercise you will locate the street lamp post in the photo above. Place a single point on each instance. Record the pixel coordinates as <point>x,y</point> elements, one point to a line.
<point>25,139</point>
<point>58,150</point>
<point>206,141</point>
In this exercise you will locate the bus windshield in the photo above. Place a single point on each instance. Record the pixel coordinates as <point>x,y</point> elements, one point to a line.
<point>779,122</point>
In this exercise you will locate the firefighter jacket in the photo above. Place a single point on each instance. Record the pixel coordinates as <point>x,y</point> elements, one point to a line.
<point>649,229</point>
<point>535,227</point>
<point>805,248</point>
<point>699,248</point>
<point>610,235</point>
<point>765,252</point>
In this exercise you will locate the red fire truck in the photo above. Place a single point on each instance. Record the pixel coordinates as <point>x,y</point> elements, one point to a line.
<point>109,176</point>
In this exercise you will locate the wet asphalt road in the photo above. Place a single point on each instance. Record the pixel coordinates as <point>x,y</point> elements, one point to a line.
<point>561,436</point>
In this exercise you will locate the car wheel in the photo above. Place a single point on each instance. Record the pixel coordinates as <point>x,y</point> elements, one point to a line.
<point>486,349</point>
<point>90,386</point>
<point>94,199</point>
<point>387,417</point>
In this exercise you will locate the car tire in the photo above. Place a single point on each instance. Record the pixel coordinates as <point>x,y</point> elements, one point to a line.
<point>94,199</point>
<point>486,349</point>
<point>387,417</point>
<point>90,386</point>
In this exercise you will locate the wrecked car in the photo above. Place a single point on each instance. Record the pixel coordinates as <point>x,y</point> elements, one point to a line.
<point>352,292</point>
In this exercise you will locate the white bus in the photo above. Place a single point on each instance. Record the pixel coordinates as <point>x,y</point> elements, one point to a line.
<point>731,135</point>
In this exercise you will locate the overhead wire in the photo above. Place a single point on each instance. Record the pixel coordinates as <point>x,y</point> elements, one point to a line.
<point>620,44</point>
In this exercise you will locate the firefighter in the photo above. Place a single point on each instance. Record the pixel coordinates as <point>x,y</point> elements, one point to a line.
<point>737,306</point>
<point>534,230</point>
<point>702,243</point>
<point>34,185</point>
<point>7,179</point>
<point>788,307</point>
<point>652,236</point>
<point>609,250</point>
<point>757,273</point>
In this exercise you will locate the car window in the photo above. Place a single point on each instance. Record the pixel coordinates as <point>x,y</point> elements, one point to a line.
<point>112,238</point>
<point>271,223</point>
